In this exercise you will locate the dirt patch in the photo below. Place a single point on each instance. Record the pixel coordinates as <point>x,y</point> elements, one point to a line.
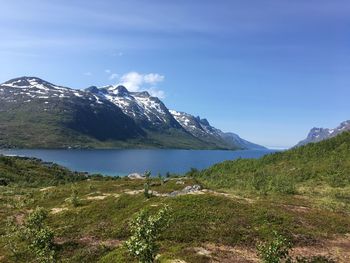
<point>133,192</point>
<point>46,188</point>
<point>297,208</point>
<point>232,196</point>
<point>19,218</point>
<point>101,197</point>
<point>57,210</point>
<point>202,251</point>
<point>97,197</point>
<point>228,254</point>
<point>91,241</point>
<point>337,249</point>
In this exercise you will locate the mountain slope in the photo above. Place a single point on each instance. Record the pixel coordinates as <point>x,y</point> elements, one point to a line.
<point>146,110</point>
<point>36,113</point>
<point>320,134</point>
<point>201,128</point>
<point>153,117</point>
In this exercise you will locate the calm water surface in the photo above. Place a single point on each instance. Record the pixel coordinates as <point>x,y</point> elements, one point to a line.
<point>123,162</point>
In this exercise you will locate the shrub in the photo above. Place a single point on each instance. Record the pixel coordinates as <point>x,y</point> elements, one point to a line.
<point>74,198</point>
<point>275,251</point>
<point>39,236</point>
<point>13,236</point>
<point>145,230</point>
<point>146,191</point>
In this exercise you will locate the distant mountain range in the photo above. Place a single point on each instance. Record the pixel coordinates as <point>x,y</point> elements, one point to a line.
<point>320,134</point>
<point>37,113</point>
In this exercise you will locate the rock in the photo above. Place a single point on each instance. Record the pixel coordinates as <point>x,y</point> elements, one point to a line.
<point>180,182</point>
<point>192,188</point>
<point>136,176</point>
<point>187,190</point>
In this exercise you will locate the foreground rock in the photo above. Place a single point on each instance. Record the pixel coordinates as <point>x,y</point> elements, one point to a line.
<point>187,190</point>
<point>136,176</point>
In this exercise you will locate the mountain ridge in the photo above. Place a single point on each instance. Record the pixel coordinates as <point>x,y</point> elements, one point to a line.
<point>37,113</point>
<point>319,134</point>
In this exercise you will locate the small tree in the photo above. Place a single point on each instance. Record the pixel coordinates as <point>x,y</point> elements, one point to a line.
<point>276,251</point>
<point>146,191</point>
<point>145,230</point>
<point>74,198</point>
<point>39,236</point>
<point>160,179</point>
<point>146,186</point>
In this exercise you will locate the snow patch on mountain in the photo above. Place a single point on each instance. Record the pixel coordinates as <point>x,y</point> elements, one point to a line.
<point>201,128</point>
<point>141,106</point>
<point>320,134</point>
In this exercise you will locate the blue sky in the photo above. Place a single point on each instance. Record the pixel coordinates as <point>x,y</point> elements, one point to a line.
<point>267,70</point>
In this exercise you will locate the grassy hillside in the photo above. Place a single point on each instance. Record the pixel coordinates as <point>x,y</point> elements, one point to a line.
<point>295,193</point>
<point>325,163</point>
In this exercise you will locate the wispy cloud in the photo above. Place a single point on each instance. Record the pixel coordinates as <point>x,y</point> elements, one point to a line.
<point>135,81</point>
<point>87,74</point>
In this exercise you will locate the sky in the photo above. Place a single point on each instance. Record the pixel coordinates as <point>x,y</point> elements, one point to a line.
<point>266,70</point>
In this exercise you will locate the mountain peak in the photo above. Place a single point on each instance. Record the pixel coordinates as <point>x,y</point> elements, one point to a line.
<point>26,82</point>
<point>320,134</point>
<point>118,90</point>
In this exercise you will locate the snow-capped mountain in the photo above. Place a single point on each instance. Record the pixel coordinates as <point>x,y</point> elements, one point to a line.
<point>195,125</point>
<point>37,113</point>
<point>320,134</point>
<point>141,106</point>
<point>29,88</point>
<point>201,128</point>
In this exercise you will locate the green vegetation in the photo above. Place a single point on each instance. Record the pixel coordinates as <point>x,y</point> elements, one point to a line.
<point>39,237</point>
<point>279,249</point>
<point>145,230</point>
<point>33,172</point>
<point>275,251</point>
<point>302,194</point>
<point>324,164</point>
<point>75,124</point>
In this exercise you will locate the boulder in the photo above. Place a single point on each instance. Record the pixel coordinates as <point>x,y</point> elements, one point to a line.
<point>136,176</point>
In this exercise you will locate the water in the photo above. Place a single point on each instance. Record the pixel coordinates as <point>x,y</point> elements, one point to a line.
<point>124,162</point>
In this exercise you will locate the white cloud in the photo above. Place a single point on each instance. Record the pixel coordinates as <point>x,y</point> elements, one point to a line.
<point>153,78</point>
<point>135,81</point>
<point>87,73</point>
<point>108,71</point>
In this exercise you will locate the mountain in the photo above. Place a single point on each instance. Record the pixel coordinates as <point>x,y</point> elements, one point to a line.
<point>153,117</point>
<point>234,139</point>
<point>202,129</point>
<point>148,111</point>
<point>320,134</point>
<point>37,113</point>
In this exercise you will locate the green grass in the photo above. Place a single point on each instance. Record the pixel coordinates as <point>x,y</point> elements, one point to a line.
<point>196,219</point>
<point>326,163</point>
